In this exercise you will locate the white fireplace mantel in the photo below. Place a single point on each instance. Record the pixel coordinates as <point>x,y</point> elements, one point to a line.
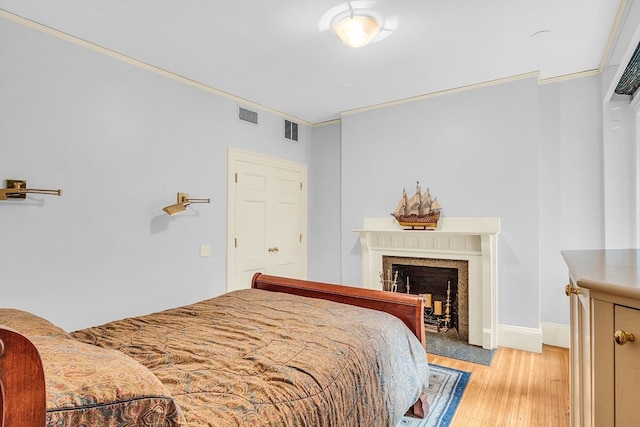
<point>470,239</point>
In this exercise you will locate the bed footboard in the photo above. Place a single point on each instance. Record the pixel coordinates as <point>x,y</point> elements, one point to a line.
<point>22,386</point>
<point>407,307</point>
<point>421,407</point>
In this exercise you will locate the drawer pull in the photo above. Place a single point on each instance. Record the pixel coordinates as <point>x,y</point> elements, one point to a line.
<point>569,290</point>
<point>621,337</point>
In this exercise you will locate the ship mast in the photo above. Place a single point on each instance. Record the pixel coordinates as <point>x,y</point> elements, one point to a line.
<point>416,201</point>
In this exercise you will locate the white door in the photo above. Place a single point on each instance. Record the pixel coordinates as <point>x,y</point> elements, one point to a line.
<point>266,218</point>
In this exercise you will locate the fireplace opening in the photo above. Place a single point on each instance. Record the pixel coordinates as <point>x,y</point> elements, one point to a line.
<point>444,286</point>
<point>439,285</point>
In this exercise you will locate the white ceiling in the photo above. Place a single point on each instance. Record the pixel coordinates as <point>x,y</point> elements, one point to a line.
<point>282,55</point>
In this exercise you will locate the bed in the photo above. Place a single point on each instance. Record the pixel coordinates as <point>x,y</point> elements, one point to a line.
<point>286,352</point>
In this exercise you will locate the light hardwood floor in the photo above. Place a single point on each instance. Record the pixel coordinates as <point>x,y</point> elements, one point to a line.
<point>519,389</point>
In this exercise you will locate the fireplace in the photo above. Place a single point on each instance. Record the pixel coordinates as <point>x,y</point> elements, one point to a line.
<point>461,243</point>
<point>445,285</point>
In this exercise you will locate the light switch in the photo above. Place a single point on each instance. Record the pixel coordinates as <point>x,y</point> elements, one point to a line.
<point>205,250</point>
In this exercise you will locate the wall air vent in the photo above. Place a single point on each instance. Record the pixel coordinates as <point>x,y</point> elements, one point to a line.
<point>290,130</point>
<point>247,115</point>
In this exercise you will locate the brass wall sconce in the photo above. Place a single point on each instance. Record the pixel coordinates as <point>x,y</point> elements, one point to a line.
<point>17,189</point>
<point>183,202</point>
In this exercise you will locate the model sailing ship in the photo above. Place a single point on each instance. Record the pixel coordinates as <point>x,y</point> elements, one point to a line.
<point>418,211</point>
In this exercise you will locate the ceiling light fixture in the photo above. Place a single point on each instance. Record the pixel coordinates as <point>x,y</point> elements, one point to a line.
<point>183,202</point>
<point>356,30</point>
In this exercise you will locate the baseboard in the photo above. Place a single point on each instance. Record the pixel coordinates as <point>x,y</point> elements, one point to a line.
<point>531,339</point>
<point>556,334</point>
<point>527,339</point>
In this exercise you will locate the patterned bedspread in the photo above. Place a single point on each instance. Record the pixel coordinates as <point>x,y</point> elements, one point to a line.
<point>258,358</point>
<point>89,386</point>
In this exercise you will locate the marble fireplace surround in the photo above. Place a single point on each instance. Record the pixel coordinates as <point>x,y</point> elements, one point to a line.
<point>467,239</point>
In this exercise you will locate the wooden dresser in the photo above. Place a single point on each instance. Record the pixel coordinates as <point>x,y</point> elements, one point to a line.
<point>604,292</point>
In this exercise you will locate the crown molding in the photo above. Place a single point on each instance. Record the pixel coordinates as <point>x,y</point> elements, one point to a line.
<point>157,70</point>
<point>572,76</point>
<point>460,89</point>
<point>141,64</point>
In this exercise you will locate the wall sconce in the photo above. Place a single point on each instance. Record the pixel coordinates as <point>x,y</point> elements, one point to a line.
<point>17,189</point>
<point>183,202</point>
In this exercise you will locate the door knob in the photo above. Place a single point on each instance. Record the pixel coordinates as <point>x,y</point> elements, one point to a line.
<point>622,337</point>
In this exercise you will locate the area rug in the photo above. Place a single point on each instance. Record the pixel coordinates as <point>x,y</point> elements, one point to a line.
<point>444,345</point>
<point>446,386</point>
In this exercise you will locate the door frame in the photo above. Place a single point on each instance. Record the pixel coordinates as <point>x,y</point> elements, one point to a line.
<point>234,155</point>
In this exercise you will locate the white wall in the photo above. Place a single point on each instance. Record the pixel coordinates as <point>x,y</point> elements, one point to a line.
<point>120,142</point>
<point>571,184</point>
<point>526,153</point>
<point>324,205</point>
